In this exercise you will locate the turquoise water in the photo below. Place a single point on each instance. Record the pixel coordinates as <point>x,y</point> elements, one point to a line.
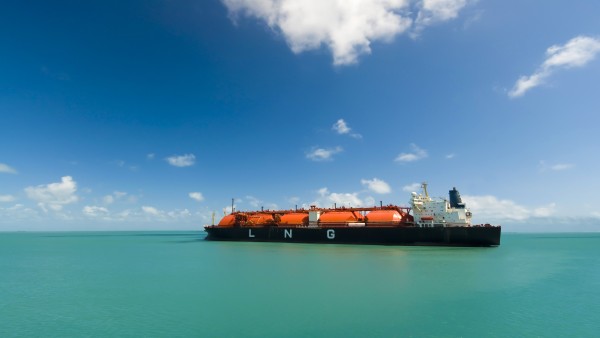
<point>159,284</point>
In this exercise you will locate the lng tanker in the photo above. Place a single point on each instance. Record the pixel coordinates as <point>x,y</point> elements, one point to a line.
<point>428,221</point>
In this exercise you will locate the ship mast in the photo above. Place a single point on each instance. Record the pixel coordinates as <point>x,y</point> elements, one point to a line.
<point>424,186</point>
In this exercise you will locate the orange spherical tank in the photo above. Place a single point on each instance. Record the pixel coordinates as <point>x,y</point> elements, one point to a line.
<point>294,219</point>
<point>339,217</point>
<point>384,217</point>
<point>227,221</point>
<point>259,219</point>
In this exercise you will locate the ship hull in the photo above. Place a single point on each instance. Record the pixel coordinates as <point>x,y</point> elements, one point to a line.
<point>405,235</point>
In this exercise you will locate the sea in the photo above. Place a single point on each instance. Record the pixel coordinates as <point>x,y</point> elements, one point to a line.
<point>176,284</point>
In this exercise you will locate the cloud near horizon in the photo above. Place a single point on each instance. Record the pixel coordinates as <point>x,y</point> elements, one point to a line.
<point>54,195</point>
<point>577,52</point>
<point>488,209</point>
<point>347,29</point>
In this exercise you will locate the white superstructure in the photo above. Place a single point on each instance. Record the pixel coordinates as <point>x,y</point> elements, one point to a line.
<point>439,212</point>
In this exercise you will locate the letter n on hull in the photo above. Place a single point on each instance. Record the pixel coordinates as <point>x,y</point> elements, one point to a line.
<point>287,233</point>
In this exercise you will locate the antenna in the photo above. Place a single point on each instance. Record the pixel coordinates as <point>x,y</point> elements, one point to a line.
<point>232,200</point>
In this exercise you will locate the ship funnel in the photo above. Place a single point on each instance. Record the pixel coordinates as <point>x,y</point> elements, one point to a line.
<point>455,200</point>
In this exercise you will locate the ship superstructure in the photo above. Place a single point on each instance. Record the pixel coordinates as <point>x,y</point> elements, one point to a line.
<point>429,212</point>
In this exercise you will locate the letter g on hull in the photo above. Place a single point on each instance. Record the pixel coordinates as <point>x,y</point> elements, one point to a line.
<point>330,234</point>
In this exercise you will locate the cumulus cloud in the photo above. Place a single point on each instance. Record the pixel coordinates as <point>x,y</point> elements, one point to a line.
<point>6,169</point>
<point>577,52</point>
<point>490,208</point>
<point>182,160</point>
<point>323,154</point>
<point>54,195</point>
<point>415,154</point>
<point>346,28</point>
<point>6,198</point>
<point>196,196</point>
<point>413,187</point>
<point>328,199</point>
<point>435,11</point>
<point>376,185</point>
<point>108,199</point>
<point>94,211</point>
<point>341,127</point>
<point>151,210</point>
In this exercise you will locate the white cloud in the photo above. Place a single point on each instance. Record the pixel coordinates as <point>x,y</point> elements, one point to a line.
<point>346,28</point>
<point>413,187</point>
<point>435,11</point>
<point>492,209</point>
<point>562,166</point>
<point>376,185</point>
<point>323,154</point>
<point>327,199</point>
<point>450,156</point>
<point>415,154</point>
<point>6,198</point>
<point>182,160</point>
<point>94,211</point>
<point>196,196</point>
<point>6,169</point>
<point>577,52</point>
<point>119,194</point>
<point>556,167</point>
<point>151,210</point>
<point>108,199</point>
<point>341,127</point>
<point>54,195</point>
<point>150,156</point>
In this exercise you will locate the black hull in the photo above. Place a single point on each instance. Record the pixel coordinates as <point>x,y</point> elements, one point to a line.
<point>442,236</point>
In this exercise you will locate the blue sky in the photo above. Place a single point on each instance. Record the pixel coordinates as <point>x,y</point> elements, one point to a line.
<point>153,115</point>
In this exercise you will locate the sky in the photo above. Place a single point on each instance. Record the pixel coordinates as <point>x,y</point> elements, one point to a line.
<point>153,115</point>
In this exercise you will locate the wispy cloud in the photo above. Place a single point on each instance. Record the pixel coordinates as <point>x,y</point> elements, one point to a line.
<point>6,169</point>
<point>450,156</point>
<point>413,187</point>
<point>577,52</point>
<point>150,156</point>
<point>346,29</point>
<point>415,154</point>
<point>7,198</point>
<point>181,160</point>
<point>435,11</point>
<point>376,185</point>
<point>342,128</point>
<point>562,166</point>
<point>54,195</point>
<point>556,167</point>
<point>323,154</point>
<point>196,196</point>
